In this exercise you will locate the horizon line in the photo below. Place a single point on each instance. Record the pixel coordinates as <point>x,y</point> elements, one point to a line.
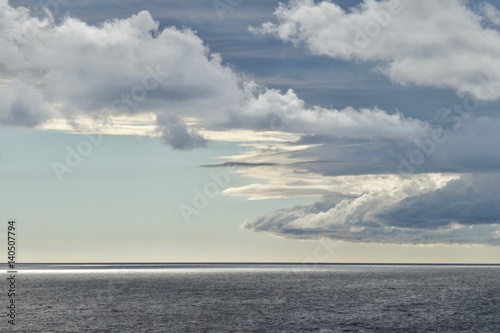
<point>257,263</point>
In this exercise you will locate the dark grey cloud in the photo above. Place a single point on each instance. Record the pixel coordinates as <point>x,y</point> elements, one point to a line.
<point>237,164</point>
<point>459,145</point>
<point>178,135</point>
<point>22,105</point>
<point>463,212</point>
<point>470,200</point>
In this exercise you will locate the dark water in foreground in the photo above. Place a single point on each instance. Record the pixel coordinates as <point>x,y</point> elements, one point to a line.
<point>256,298</point>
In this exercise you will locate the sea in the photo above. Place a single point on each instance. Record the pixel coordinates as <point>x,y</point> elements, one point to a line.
<point>253,298</point>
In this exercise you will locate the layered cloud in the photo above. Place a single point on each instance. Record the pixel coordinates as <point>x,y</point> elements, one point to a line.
<point>439,189</point>
<point>442,44</point>
<point>385,191</point>
<point>428,209</point>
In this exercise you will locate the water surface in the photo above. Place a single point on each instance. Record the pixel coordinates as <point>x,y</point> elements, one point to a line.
<point>257,298</point>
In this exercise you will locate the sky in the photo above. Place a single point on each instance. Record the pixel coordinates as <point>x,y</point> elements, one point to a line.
<point>251,131</point>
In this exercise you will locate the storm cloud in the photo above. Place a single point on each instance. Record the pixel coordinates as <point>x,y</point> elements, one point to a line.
<point>403,211</point>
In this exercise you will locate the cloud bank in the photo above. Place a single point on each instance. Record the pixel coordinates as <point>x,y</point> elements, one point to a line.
<point>446,44</point>
<point>52,69</point>
<point>132,66</point>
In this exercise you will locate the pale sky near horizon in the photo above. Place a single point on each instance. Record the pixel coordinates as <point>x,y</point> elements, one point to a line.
<point>244,131</point>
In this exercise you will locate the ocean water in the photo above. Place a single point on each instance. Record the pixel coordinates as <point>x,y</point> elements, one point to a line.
<point>256,298</point>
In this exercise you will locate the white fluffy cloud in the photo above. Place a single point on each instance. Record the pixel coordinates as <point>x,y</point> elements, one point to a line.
<point>270,108</point>
<point>429,43</point>
<point>125,66</point>
<point>130,66</point>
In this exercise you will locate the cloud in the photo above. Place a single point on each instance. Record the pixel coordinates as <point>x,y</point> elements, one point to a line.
<point>122,66</point>
<point>491,14</point>
<point>441,44</point>
<point>452,144</point>
<point>469,201</point>
<point>130,66</point>
<point>237,164</point>
<point>448,197</point>
<point>22,105</point>
<point>361,198</point>
<point>418,210</point>
<point>466,145</point>
<point>175,132</point>
<point>264,108</point>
